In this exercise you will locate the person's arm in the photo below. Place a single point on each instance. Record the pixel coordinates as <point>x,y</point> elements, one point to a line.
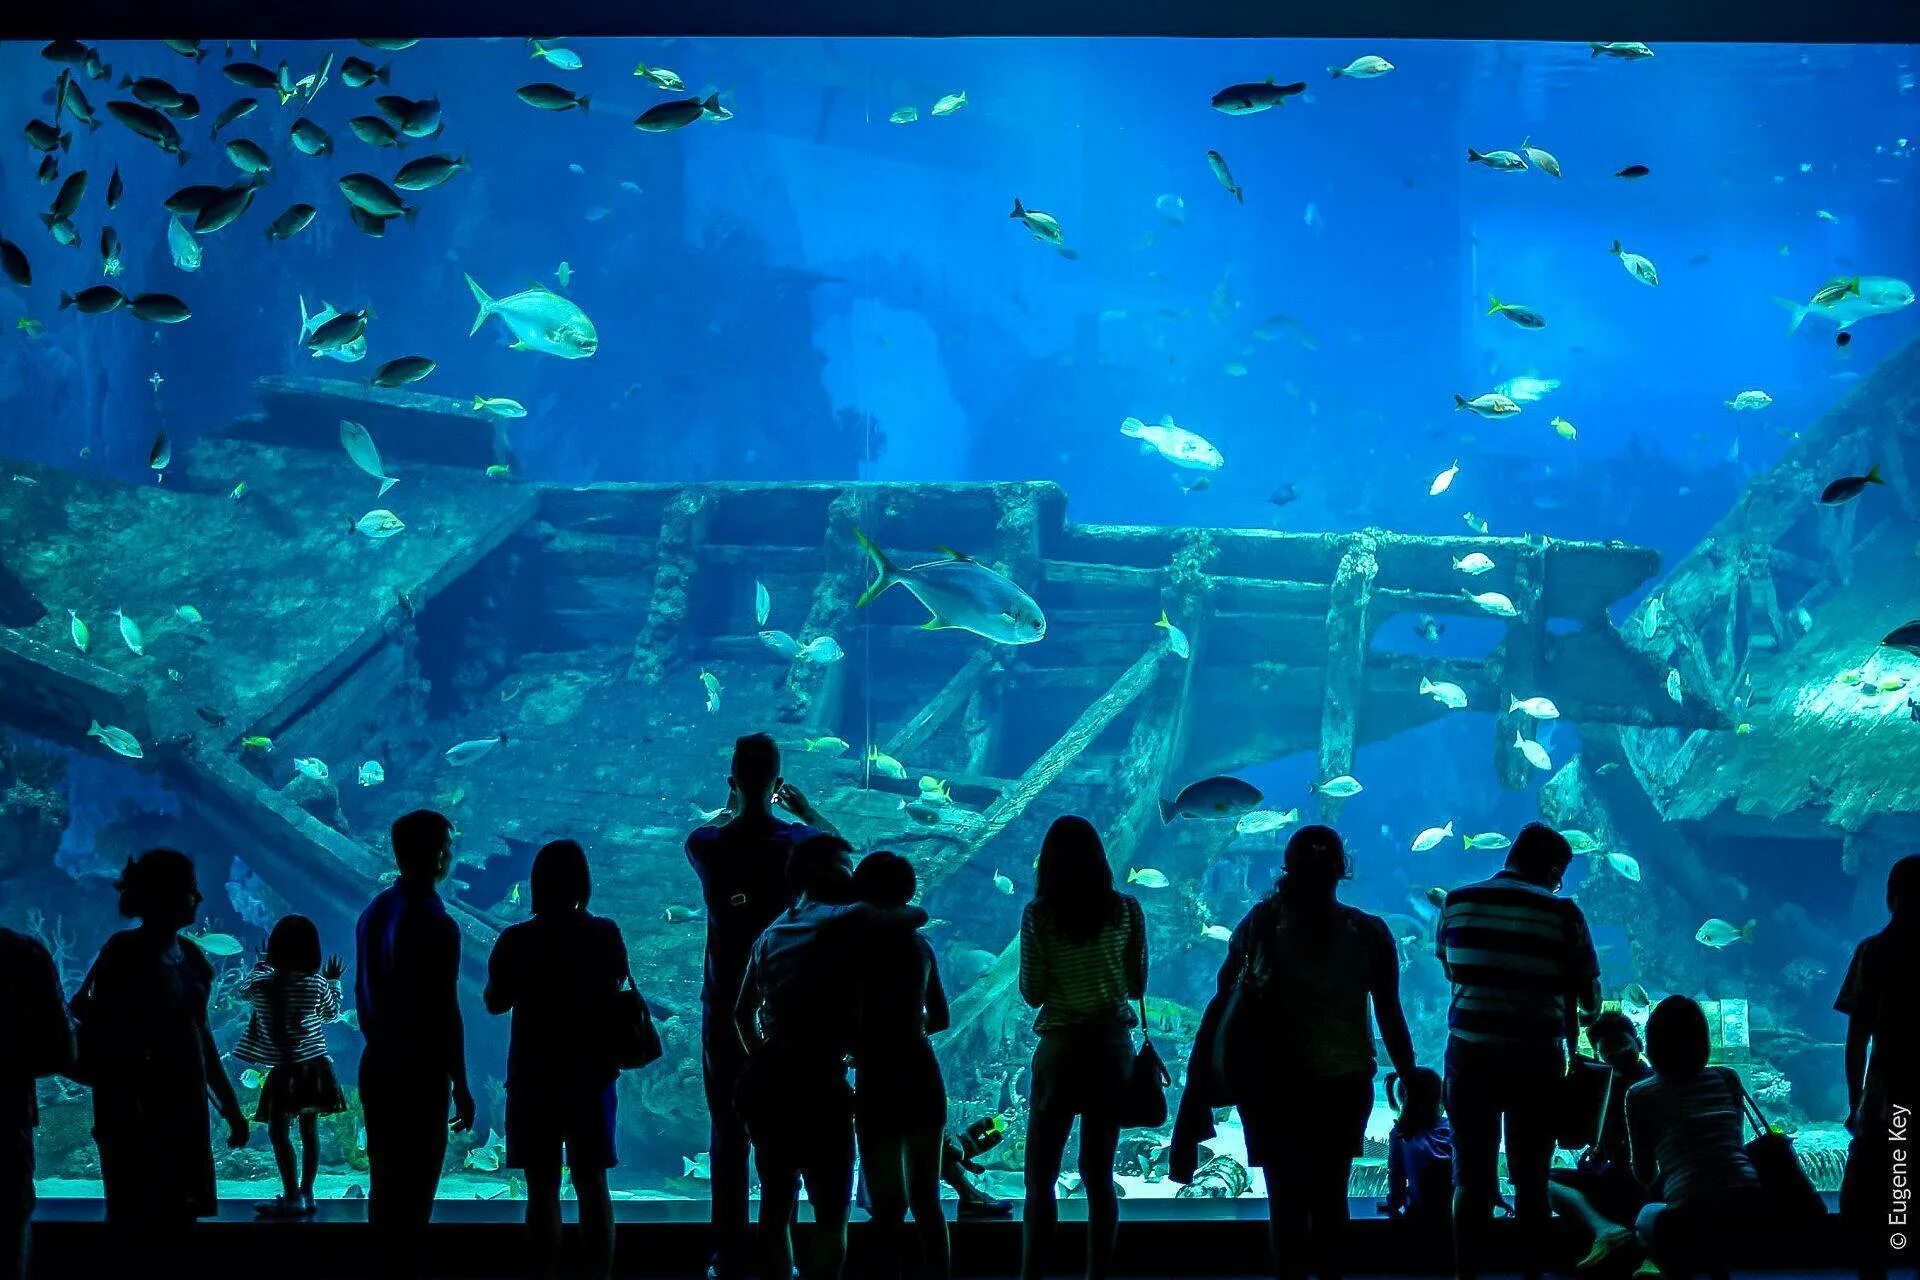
<point>1642,1137</point>
<point>1396,1175</point>
<point>445,977</point>
<point>1585,970</point>
<point>1440,943</point>
<point>327,993</point>
<point>498,995</point>
<point>790,798</point>
<point>1852,1002</point>
<point>46,1033</point>
<point>939,1017</point>
<point>1387,1010</point>
<point>1033,961</point>
<point>746,1005</point>
<point>224,1095</point>
<point>1136,950</point>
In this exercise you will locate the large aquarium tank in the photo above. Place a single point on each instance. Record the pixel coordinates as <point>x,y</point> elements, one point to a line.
<point>1435,436</point>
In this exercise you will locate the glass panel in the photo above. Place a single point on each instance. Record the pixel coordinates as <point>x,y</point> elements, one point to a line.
<point>1457,377</point>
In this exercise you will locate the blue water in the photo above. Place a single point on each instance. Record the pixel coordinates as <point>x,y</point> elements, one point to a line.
<point>808,291</point>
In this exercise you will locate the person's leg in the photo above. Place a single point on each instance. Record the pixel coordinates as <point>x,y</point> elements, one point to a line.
<point>1288,1218</point>
<point>828,1174</point>
<point>727,1154</point>
<point>543,1218</point>
<point>1474,1111</point>
<point>1047,1134</point>
<point>1529,1117</point>
<point>1863,1190</point>
<point>883,1165</point>
<point>779,1191</point>
<point>280,1138</point>
<point>309,1155</point>
<point>1327,1210</point>
<point>1099,1139</point>
<point>596,1221</point>
<point>925,1149</point>
<point>16,1208</point>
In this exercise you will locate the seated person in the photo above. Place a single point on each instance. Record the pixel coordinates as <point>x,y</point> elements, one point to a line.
<point>1419,1152</point>
<point>1600,1191</point>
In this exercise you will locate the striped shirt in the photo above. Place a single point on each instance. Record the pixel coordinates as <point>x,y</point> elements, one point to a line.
<point>1687,1132</point>
<point>1083,983</point>
<point>289,1011</point>
<point>1516,955</point>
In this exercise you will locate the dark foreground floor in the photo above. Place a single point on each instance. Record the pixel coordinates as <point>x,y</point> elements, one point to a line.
<point>481,1241</point>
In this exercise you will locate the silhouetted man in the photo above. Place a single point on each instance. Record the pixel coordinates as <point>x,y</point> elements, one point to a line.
<point>406,988</point>
<point>36,1039</point>
<point>1883,1078</point>
<point>742,865</point>
<point>1522,965</point>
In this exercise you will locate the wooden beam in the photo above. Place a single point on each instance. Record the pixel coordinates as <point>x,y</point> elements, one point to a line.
<point>682,531</point>
<point>1349,600</point>
<point>940,708</point>
<point>812,698</point>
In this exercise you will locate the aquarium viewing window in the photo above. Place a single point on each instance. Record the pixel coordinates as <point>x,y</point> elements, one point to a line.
<point>504,426</point>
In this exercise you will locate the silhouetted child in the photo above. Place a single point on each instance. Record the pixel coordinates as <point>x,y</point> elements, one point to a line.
<point>1419,1151</point>
<point>293,997</point>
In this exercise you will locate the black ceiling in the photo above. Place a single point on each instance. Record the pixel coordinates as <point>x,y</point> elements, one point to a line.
<point>1653,21</point>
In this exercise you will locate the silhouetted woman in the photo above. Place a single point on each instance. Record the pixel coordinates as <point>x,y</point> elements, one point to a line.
<point>899,1099</point>
<point>1685,1135</point>
<point>1306,1094</point>
<point>148,1053</point>
<point>1083,960</point>
<point>559,973</point>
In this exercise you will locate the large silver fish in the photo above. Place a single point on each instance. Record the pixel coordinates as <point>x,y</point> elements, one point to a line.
<point>1847,303</point>
<point>540,320</point>
<point>961,594</point>
<point>346,352</point>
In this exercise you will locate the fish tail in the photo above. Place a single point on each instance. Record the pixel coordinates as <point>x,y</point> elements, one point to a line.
<point>1593,45</point>
<point>1133,428</point>
<point>66,300</point>
<point>485,304</point>
<point>93,729</point>
<point>1337,72</point>
<point>1459,402</point>
<point>1018,210</point>
<point>711,106</point>
<point>1493,305</point>
<point>383,73</point>
<point>1513,704</point>
<point>180,156</point>
<point>1239,195</point>
<point>1166,812</point>
<point>1426,685</point>
<point>1798,311</point>
<point>1873,474</point>
<point>386,483</point>
<point>537,51</point>
<point>883,566</point>
<point>1164,621</point>
<point>1746,931</point>
<point>1466,842</point>
<point>583,100</point>
<point>1473,157</point>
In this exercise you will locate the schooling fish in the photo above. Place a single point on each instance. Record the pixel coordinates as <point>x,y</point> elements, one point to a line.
<point>960,593</point>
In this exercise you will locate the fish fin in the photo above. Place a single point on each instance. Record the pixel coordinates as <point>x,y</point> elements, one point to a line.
<point>950,553</point>
<point>1166,420</point>
<point>1746,931</point>
<point>1132,427</point>
<point>1616,247</point>
<point>1164,621</point>
<point>583,100</point>
<point>883,566</point>
<point>1459,402</point>
<point>386,483</point>
<point>1798,311</point>
<point>1337,72</point>
<point>936,624</point>
<point>1473,156</point>
<point>1493,305</point>
<point>1018,211</point>
<point>1167,812</point>
<point>486,305</point>
<point>1873,474</point>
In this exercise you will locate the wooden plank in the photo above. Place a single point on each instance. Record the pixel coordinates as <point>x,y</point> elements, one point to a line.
<point>682,530</point>
<point>953,695</point>
<point>1348,606</point>
<point>54,692</point>
<point>812,694</point>
<point>407,423</point>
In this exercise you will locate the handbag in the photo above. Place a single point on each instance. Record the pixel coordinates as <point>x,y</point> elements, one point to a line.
<point>633,1040</point>
<point>1784,1182</point>
<point>1143,1097</point>
<point>1247,1016</point>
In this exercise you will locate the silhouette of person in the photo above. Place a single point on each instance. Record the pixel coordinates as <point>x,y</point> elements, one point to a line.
<point>742,866</point>
<point>1883,1069</point>
<point>293,996</point>
<point>798,1015</point>
<point>413,1067</point>
<point>1305,1105</point>
<point>149,1054</point>
<point>1600,1191</point>
<point>900,1100</point>
<point>1685,1134</point>
<point>559,974</point>
<point>1522,965</point>
<point>38,1041</point>
<point>1083,961</point>
<point>1419,1152</point>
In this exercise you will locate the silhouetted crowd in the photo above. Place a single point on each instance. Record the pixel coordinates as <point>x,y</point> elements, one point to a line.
<point>813,962</point>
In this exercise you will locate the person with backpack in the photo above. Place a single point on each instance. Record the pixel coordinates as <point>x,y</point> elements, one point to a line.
<point>559,974</point>
<point>1295,1045</point>
<point>742,865</point>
